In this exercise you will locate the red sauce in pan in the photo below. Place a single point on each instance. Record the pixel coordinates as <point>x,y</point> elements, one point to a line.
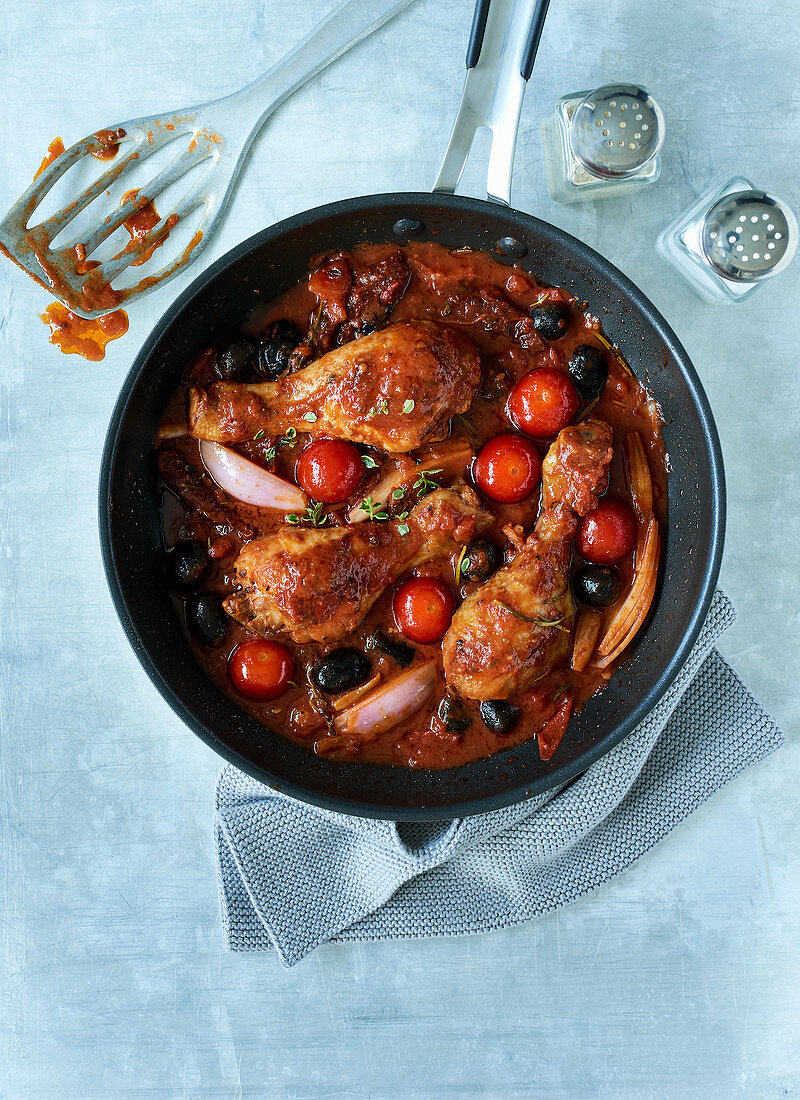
<point>490,302</point>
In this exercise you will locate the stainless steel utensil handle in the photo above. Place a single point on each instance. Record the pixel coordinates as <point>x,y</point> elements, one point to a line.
<point>342,29</point>
<point>503,43</point>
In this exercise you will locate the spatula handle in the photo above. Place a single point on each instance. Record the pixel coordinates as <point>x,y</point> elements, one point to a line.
<point>502,47</point>
<point>343,28</point>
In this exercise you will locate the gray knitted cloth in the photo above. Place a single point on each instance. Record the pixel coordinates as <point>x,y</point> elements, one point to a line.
<point>292,877</point>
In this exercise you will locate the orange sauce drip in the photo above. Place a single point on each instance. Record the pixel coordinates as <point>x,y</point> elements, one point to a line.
<point>74,335</point>
<point>109,143</point>
<point>54,150</point>
<point>139,225</point>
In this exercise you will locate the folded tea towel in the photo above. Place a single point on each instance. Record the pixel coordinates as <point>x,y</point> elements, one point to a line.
<point>292,876</point>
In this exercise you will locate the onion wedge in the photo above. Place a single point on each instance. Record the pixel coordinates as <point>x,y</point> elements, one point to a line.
<point>586,630</point>
<point>342,702</point>
<point>633,611</point>
<point>449,460</point>
<point>552,732</point>
<point>387,707</point>
<point>637,472</point>
<point>248,482</point>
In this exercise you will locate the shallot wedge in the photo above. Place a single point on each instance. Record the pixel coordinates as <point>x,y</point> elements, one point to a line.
<point>552,732</point>
<point>630,616</point>
<point>342,702</point>
<point>637,472</point>
<point>586,630</point>
<point>390,705</point>
<point>447,460</point>
<point>248,482</point>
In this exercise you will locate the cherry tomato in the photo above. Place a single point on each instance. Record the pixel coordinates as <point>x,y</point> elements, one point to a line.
<point>607,534</point>
<point>543,402</point>
<point>330,470</point>
<point>423,608</point>
<point>508,468</point>
<point>261,670</point>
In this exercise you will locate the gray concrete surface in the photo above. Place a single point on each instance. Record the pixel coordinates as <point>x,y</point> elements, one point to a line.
<point>679,979</point>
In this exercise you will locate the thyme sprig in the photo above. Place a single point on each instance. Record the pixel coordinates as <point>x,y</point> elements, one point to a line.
<point>313,515</point>
<point>373,509</point>
<point>425,483</point>
<point>529,619</point>
<point>287,440</point>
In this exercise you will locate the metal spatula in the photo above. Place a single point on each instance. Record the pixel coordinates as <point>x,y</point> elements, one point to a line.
<point>217,134</point>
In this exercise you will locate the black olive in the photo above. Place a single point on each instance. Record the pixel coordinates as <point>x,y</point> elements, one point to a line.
<point>453,716</point>
<point>399,651</point>
<point>206,620</point>
<point>499,715</point>
<point>275,349</point>
<point>366,328</point>
<point>187,564</point>
<point>551,322</point>
<point>588,370</point>
<point>596,585</point>
<point>340,670</point>
<point>481,558</point>
<point>236,360</point>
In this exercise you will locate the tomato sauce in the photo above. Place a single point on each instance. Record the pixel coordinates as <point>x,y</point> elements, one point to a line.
<point>492,304</point>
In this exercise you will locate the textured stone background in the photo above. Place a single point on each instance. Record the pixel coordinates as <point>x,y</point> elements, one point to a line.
<point>680,978</point>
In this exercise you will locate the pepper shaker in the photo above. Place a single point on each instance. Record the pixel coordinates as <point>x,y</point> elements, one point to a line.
<point>729,241</point>
<point>602,144</point>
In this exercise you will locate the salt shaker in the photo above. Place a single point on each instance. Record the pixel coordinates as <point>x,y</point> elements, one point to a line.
<point>602,144</point>
<point>730,240</point>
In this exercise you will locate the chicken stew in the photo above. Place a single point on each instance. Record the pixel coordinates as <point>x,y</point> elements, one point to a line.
<point>412,510</point>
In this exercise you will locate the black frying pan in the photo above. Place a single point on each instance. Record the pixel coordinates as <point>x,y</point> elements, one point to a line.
<point>262,267</point>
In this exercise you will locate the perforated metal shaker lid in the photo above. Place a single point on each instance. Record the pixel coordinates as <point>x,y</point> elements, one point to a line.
<point>616,130</point>
<point>749,235</point>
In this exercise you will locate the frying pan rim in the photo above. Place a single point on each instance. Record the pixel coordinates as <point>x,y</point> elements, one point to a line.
<point>516,792</point>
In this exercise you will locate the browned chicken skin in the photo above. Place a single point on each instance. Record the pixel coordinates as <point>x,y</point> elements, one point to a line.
<point>317,585</point>
<point>394,389</point>
<point>515,628</point>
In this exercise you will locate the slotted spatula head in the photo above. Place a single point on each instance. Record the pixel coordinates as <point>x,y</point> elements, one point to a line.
<point>84,285</point>
<point>215,135</point>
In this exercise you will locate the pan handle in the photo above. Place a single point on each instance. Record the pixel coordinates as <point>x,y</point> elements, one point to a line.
<point>502,47</point>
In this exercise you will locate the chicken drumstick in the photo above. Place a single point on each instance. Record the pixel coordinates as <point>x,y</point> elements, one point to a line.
<point>394,389</point>
<point>516,627</point>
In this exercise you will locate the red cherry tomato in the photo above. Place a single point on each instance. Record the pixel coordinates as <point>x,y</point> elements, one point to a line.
<point>330,470</point>
<point>543,402</point>
<point>261,670</point>
<point>423,608</point>
<point>508,468</point>
<point>607,534</point>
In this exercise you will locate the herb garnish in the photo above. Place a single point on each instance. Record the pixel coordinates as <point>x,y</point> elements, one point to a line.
<point>529,619</point>
<point>313,515</point>
<point>408,406</point>
<point>382,407</point>
<point>458,565</point>
<point>425,484</point>
<point>373,510</point>
<point>287,440</point>
<point>310,417</point>
<point>369,462</point>
<point>259,435</point>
